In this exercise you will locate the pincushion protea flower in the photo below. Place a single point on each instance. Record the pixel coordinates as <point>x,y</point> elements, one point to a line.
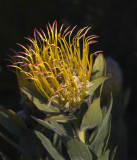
<point>56,66</point>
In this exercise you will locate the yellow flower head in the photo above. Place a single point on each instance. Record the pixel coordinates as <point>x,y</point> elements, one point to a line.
<point>56,65</point>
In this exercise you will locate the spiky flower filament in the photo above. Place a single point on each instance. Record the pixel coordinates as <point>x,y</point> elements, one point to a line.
<point>56,66</point>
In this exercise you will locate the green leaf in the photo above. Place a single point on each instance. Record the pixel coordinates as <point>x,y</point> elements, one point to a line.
<point>113,154</point>
<point>60,118</point>
<point>39,101</point>
<point>96,83</point>
<point>12,122</point>
<point>48,146</point>
<point>100,141</point>
<point>104,110</point>
<point>99,67</point>
<point>80,114</point>
<point>60,128</point>
<point>57,142</point>
<point>105,156</point>
<point>93,116</point>
<point>78,150</point>
<point>47,158</point>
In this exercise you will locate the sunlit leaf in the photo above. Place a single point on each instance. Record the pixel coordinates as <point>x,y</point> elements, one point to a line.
<point>39,101</point>
<point>93,116</point>
<point>60,118</point>
<point>100,141</point>
<point>99,67</point>
<point>78,150</point>
<point>96,83</point>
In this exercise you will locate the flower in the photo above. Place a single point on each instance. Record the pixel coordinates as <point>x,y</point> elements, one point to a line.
<point>56,65</point>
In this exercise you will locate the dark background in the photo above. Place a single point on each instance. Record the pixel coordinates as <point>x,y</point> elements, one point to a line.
<point>115,22</point>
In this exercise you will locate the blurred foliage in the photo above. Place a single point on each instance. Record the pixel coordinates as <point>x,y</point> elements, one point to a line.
<point>114,21</point>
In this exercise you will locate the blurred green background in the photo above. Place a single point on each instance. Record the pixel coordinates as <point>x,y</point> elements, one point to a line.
<point>115,22</point>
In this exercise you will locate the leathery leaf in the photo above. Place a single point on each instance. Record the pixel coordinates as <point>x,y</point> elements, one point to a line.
<point>96,83</point>
<point>100,141</point>
<point>99,67</point>
<point>78,150</point>
<point>39,101</point>
<point>93,116</point>
<point>60,128</point>
<point>49,147</point>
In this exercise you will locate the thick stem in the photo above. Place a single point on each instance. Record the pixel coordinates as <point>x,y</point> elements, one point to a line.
<point>81,135</point>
